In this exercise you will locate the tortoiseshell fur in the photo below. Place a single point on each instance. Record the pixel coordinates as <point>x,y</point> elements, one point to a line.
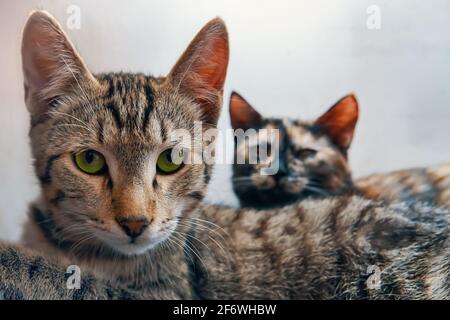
<point>429,185</point>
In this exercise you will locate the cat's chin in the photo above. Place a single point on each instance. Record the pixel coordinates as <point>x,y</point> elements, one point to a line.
<point>130,248</point>
<point>133,249</point>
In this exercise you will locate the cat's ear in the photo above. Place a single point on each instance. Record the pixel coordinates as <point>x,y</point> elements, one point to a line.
<point>340,120</point>
<point>51,65</point>
<point>242,114</point>
<point>201,70</point>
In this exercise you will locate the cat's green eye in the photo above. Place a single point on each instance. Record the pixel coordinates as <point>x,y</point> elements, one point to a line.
<point>90,161</point>
<point>165,164</point>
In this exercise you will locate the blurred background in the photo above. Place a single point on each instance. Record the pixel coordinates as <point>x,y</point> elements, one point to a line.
<point>288,58</point>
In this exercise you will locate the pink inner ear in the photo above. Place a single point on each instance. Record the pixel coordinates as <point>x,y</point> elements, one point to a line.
<point>210,67</point>
<point>46,53</point>
<point>36,44</point>
<point>201,70</point>
<point>46,50</point>
<point>345,139</point>
<point>242,114</point>
<point>214,71</point>
<point>340,120</point>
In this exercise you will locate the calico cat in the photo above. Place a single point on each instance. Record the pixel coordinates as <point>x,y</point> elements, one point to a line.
<point>313,162</point>
<point>115,203</point>
<point>312,155</point>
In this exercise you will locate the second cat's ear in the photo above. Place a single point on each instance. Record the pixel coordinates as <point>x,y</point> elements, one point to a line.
<point>201,70</point>
<point>51,65</point>
<point>340,120</point>
<point>242,114</point>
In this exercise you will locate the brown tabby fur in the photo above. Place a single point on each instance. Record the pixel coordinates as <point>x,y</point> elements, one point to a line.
<point>312,249</point>
<point>309,250</point>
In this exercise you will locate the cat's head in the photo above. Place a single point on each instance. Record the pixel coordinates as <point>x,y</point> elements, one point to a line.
<point>312,155</point>
<point>102,143</point>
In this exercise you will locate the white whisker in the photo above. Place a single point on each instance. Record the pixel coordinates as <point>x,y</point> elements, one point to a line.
<point>75,118</point>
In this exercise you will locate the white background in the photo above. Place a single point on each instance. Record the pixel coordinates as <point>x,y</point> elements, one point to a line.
<point>289,58</point>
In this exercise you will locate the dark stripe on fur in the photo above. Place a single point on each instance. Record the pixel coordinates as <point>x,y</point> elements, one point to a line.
<point>362,215</point>
<point>101,137</point>
<point>34,267</point>
<point>116,115</point>
<point>60,196</point>
<point>119,87</point>
<point>206,174</point>
<point>46,178</point>
<point>196,195</point>
<point>149,95</point>
<point>109,184</point>
<point>12,294</point>
<point>341,205</point>
<point>86,285</point>
<point>48,227</point>
<point>195,270</point>
<point>435,191</point>
<point>110,84</point>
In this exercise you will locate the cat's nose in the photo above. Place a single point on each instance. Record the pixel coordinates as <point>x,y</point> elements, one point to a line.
<point>133,227</point>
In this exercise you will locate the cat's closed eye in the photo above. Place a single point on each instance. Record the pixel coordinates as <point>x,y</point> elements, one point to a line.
<point>306,153</point>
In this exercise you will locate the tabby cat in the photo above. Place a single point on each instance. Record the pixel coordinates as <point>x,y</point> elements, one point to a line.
<point>313,162</point>
<point>115,203</point>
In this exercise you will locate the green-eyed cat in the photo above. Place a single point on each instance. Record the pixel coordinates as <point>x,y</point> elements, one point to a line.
<point>115,203</point>
<point>313,162</point>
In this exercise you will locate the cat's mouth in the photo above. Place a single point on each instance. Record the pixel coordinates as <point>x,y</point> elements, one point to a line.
<point>292,185</point>
<point>285,184</point>
<point>131,246</point>
<point>288,188</point>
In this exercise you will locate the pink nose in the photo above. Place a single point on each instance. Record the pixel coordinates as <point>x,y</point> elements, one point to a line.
<point>133,227</point>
